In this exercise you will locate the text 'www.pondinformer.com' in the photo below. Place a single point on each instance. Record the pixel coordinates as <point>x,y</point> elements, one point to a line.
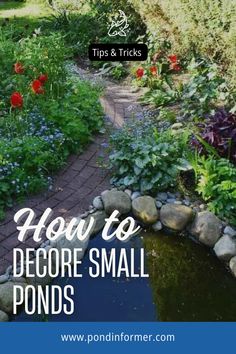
<point>117,337</point>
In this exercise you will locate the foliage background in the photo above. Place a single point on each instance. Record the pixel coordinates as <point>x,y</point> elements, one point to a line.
<point>207,27</point>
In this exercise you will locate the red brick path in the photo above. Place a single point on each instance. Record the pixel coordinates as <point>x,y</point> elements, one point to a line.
<point>78,183</point>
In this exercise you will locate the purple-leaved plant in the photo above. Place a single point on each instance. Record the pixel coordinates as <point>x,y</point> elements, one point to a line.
<point>218,131</point>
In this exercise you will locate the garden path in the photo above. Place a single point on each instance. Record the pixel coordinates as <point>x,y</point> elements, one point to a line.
<point>83,178</point>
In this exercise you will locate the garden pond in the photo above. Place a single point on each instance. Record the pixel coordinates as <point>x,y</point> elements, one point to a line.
<point>186,283</point>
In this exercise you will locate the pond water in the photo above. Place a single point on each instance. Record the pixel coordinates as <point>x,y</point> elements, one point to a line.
<point>186,283</point>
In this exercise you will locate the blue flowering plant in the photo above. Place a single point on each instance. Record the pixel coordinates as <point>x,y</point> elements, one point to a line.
<point>30,152</point>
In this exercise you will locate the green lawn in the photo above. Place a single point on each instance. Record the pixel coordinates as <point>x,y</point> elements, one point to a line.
<point>29,9</point>
<point>22,15</point>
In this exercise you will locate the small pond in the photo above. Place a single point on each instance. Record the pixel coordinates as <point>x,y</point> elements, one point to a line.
<point>186,283</point>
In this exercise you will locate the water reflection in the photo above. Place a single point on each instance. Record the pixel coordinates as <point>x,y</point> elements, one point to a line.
<point>188,282</point>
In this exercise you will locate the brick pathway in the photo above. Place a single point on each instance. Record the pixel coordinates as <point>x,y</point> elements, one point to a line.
<point>79,182</point>
<point>120,103</point>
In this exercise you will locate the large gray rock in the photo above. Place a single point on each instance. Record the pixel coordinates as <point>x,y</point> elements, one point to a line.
<point>62,242</point>
<point>3,278</point>
<point>3,316</point>
<point>116,200</point>
<point>144,209</point>
<point>36,280</point>
<point>162,196</point>
<point>206,228</point>
<point>232,265</point>
<point>225,248</point>
<point>230,231</point>
<point>176,217</point>
<point>18,279</point>
<point>6,296</point>
<point>99,221</point>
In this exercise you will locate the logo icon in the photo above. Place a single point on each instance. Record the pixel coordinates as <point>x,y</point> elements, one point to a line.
<point>119,25</point>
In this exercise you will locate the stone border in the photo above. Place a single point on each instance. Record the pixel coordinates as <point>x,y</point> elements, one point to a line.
<point>203,225</point>
<point>171,212</point>
<point>166,211</point>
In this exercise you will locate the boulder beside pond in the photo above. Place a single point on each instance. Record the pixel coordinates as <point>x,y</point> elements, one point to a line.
<point>6,296</point>
<point>225,248</point>
<point>99,221</point>
<point>62,242</point>
<point>116,200</point>
<point>232,265</point>
<point>36,281</point>
<point>206,228</point>
<point>3,316</point>
<point>176,217</point>
<point>145,210</point>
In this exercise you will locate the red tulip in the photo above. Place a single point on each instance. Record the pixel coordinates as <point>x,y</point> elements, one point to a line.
<point>154,70</point>
<point>18,68</point>
<point>16,100</point>
<point>175,67</point>
<point>43,78</point>
<point>140,72</point>
<point>37,87</point>
<point>173,58</point>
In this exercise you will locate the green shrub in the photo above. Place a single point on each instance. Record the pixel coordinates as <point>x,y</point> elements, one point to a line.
<point>78,114</point>
<point>79,30</point>
<point>216,182</point>
<point>161,97</point>
<point>37,55</point>
<point>206,27</point>
<point>82,25</point>
<point>204,88</point>
<point>167,115</point>
<point>105,11</point>
<point>116,70</point>
<point>44,54</point>
<point>145,160</point>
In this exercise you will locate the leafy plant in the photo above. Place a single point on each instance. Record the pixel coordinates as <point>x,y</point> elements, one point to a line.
<point>78,115</point>
<point>219,131</point>
<point>166,114</point>
<point>203,89</point>
<point>160,97</point>
<point>156,48</point>
<point>216,182</point>
<point>116,70</point>
<point>157,71</point>
<point>145,160</point>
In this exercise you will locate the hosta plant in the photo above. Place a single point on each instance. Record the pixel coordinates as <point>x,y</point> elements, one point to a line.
<point>145,160</point>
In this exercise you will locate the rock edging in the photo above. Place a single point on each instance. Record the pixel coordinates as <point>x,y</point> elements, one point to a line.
<point>168,210</point>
